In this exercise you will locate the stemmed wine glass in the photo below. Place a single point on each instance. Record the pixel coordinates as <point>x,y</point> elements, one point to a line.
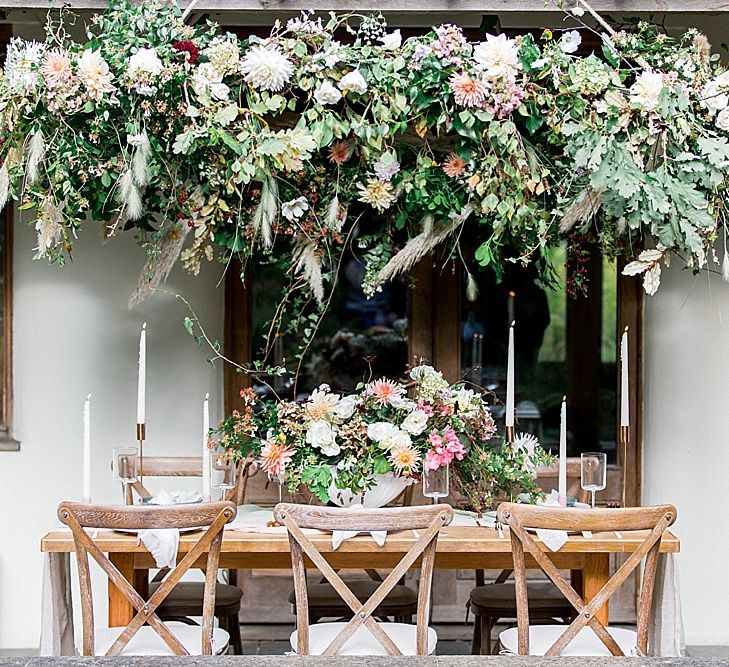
<point>222,470</point>
<point>436,483</point>
<point>593,466</point>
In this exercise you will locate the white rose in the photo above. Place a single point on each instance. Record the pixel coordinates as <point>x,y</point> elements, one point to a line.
<point>391,41</point>
<point>402,403</point>
<point>416,422</point>
<point>145,60</point>
<point>463,398</point>
<point>722,120</point>
<point>399,440</point>
<point>345,408</point>
<point>381,431</point>
<point>327,93</point>
<point>320,434</point>
<point>419,372</point>
<point>354,82</point>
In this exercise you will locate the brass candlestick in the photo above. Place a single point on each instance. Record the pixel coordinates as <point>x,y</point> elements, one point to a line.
<point>509,431</point>
<point>141,437</point>
<point>624,440</point>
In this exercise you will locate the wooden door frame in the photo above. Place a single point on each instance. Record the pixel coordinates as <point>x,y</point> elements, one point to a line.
<point>434,325</point>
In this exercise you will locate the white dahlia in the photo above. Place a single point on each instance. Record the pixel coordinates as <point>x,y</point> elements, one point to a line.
<point>646,91</point>
<point>93,70</point>
<point>498,56</point>
<point>266,68</point>
<point>22,63</point>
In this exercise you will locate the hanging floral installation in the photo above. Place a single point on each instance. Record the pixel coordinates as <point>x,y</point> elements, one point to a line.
<point>335,132</point>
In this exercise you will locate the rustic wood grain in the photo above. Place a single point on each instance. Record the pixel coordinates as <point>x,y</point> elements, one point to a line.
<point>520,517</point>
<point>430,519</point>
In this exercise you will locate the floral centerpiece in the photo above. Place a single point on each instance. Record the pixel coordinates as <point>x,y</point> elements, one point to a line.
<point>331,442</point>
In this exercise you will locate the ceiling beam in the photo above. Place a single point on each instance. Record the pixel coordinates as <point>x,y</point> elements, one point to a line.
<point>628,7</point>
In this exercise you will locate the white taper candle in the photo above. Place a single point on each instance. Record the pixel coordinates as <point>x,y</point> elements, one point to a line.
<point>206,451</point>
<point>86,473</point>
<point>510,379</point>
<point>142,378</point>
<point>624,391</point>
<point>562,475</point>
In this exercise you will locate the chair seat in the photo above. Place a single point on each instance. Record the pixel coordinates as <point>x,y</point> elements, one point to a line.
<point>186,599</point>
<point>502,598</point>
<point>147,642</point>
<point>586,643</point>
<point>324,595</point>
<point>362,642</point>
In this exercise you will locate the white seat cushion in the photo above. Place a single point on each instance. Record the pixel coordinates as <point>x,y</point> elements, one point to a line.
<point>363,642</point>
<point>541,638</point>
<point>147,642</point>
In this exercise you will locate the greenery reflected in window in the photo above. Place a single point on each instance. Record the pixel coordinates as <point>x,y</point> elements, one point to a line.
<point>357,339</point>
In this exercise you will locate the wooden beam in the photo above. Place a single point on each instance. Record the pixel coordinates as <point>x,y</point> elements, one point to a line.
<point>404,6</point>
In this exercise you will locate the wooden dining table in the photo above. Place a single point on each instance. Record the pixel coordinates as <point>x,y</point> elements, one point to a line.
<point>459,547</point>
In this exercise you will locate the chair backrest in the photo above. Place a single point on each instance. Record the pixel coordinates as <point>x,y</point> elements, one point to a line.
<point>430,519</point>
<point>183,466</point>
<point>655,520</point>
<point>212,516</point>
<point>547,477</point>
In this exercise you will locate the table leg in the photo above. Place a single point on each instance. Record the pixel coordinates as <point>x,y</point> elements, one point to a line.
<point>595,575</point>
<point>120,610</point>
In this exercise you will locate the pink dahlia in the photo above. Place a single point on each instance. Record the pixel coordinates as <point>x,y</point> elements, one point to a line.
<point>468,92</point>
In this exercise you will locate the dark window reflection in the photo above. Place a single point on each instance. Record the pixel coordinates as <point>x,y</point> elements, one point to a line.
<point>358,339</point>
<point>563,346</point>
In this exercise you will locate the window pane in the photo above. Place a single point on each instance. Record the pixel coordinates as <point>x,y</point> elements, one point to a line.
<point>357,339</point>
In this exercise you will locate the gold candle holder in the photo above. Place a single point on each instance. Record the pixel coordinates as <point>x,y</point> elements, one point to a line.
<point>624,440</point>
<point>141,437</point>
<point>509,431</point>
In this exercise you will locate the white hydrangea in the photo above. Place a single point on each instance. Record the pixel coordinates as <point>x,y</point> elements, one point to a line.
<point>498,56</point>
<point>354,82</point>
<point>224,55</point>
<point>266,68</point>
<point>416,422</point>
<point>391,41</point>
<point>146,61</point>
<point>321,434</point>
<point>22,63</point>
<point>327,93</point>
<point>646,91</point>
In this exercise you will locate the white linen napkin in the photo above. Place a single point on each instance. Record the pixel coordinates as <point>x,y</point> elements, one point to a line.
<point>338,536</point>
<point>163,543</point>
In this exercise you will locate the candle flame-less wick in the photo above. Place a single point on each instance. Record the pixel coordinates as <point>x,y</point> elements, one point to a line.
<point>88,398</point>
<point>207,396</point>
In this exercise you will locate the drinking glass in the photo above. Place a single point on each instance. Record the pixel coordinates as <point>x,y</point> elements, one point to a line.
<point>124,461</point>
<point>222,470</point>
<point>593,466</point>
<point>435,483</point>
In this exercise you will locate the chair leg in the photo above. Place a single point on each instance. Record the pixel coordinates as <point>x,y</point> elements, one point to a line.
<point>486,625</point>
<point>476,641</point>
<point>236,641</point>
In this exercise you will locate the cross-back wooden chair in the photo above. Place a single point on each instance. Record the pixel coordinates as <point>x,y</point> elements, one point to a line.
<point>585,635</point>
<point>187,598</point>
<point>147,634</point>
<point>491,602</point>
<point>363,635</point>
<point>400,604</point>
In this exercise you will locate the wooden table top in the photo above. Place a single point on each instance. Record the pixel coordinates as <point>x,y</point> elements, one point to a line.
<point>452,540</point>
